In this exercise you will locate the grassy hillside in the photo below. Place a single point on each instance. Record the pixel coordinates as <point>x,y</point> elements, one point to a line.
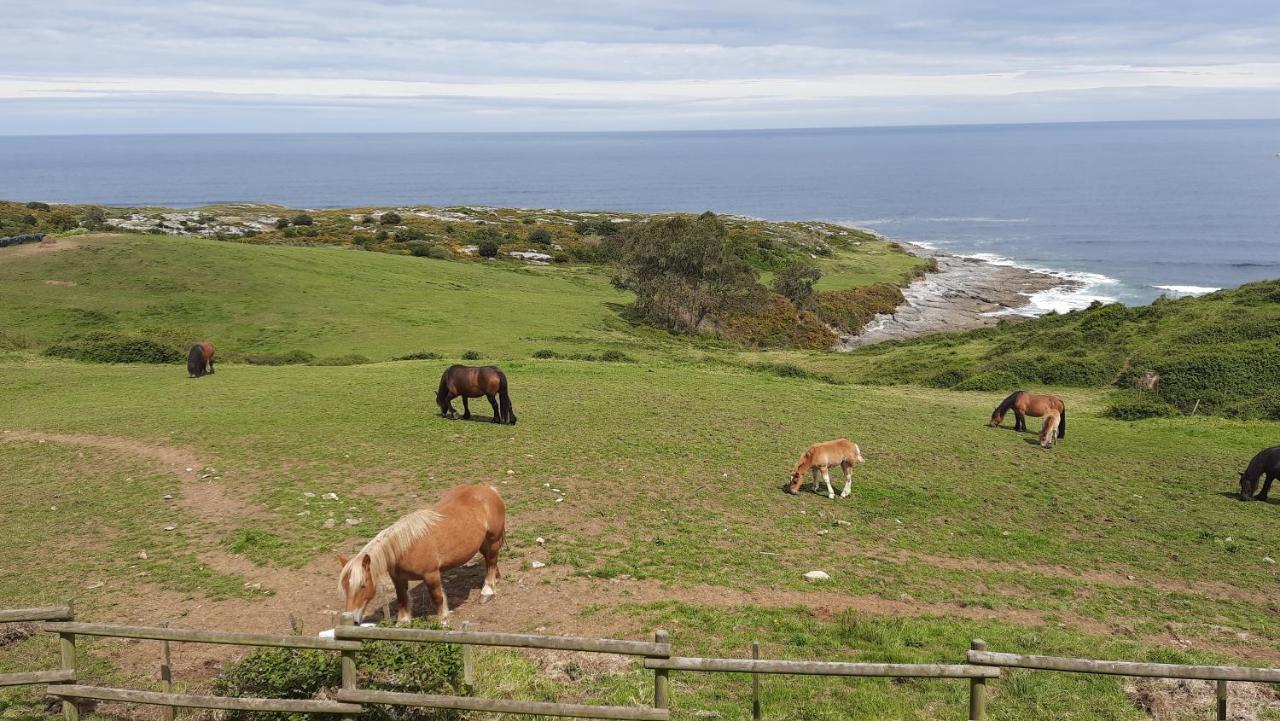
<point>154,498</point>
<point>1218,353</point>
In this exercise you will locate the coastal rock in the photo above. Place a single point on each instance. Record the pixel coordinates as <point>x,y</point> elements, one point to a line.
<point>963,294</point>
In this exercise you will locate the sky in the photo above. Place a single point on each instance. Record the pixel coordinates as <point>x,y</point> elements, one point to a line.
<point>152,66</point>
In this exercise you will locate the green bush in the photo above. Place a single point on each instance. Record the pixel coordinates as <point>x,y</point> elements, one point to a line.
<point>539,236</point>
<point>293,357</point>
<point>302,219</point>
<point>990,381</point>
<point>102,347</point>
<point>434,668</point>
<point>390,218</point>
<point>487,248</point>
<point>851,309</point>
<point>545,353</point>
<point>420,355</point>
<point>471,355</point>
<point>1135,407</point>
<point>790,370</point>
<point>614,356</point>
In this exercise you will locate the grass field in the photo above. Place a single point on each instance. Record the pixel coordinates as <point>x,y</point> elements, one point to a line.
<point>1124,541</point>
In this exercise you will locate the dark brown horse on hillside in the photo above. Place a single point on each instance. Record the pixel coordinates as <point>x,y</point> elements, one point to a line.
<point>473,382</point>
<point>1266,463</point>
<point>1034,404</point>
<point>200,359</point>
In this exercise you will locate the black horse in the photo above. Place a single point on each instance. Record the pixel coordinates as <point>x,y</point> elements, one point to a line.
<point>473,382</point>
<point>1267,463</point>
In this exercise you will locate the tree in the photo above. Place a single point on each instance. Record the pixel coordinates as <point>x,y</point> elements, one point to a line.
<point>488,248</point>
<point>681,269</point>
<point>795,282</point>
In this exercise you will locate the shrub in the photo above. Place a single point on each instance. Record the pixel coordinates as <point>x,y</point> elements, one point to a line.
<point>105,347</point>
<point>614,356</point>
<point>790,370</point>
<point>946,379</point>
<point>293,357</point>
<point>1077,371</point>
<point>990,381</point>
<point>37,205</point>
<point>471,355</point>
<point>352,359</point>
<point>282,223</point>
<point>404,235</point>
<point>302,219</point>
<point>545,353</point>
<point>420,355</point>
<point>540,236</point>
<point>390,218</point>
<point>850,310</point>
<point>94,218</point>
<point>418,248</point>
<point>764,319</point>
<point>488,248</point>
<point>795,282</point>
<point>434,668</point>
<point>1135,407</point>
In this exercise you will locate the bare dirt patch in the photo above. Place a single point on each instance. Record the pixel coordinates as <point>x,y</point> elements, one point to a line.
<point>62,283</point>
<point>48,245</point>
<point>200,490</point>
<point>1169,699</point>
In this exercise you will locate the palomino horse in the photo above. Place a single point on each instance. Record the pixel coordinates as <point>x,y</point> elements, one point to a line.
<point>473,382</point>
<point>1034,404</point>
<point>425,543</point>
<point>1266,463</point>
<point>200,359</point>
<point>842,452</point>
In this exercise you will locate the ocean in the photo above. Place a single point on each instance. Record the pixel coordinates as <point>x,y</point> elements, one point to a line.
<point>1131,210</point>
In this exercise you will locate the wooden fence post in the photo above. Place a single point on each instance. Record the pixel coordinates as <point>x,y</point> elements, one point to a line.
<point>978,688</point>
<point>755,683</point>
<point>348,661</point>
<point>67,652</point>
<point>661,689</point>
<point>468,660</point>
<point>1222,701</point>
<point>166,679</point>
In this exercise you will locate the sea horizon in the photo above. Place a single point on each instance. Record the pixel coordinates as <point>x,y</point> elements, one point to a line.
<point>1129,210</point>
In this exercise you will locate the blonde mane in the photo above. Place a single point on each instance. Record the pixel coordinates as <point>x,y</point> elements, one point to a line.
<point>387,547</point>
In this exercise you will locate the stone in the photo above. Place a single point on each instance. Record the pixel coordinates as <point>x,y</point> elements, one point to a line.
<point>814,576</point>
<point>537,564</point>
<point>330,496</point>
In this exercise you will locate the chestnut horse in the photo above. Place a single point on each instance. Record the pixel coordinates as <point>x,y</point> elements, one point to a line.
<point>473,382</point>
<point>1034,404</point>
<point>1266,463</point>
<point>200,359</point>
<point>425,543</point>
<point>842,452</point>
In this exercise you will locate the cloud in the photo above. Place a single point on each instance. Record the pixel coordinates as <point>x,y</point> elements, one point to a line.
<point>601,65</point>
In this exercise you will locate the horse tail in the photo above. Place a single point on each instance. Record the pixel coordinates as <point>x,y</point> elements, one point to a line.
<point>1062,423</point>
<point>504,400</point>
<point>195,361</point>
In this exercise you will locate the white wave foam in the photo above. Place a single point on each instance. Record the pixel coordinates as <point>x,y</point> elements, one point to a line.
<point>1179,291</point>
<point>1085,288</point>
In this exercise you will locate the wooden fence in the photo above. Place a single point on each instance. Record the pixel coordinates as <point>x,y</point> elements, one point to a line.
<point>980,667</point>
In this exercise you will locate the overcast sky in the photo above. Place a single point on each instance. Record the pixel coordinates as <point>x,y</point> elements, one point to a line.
<point>137,66</point>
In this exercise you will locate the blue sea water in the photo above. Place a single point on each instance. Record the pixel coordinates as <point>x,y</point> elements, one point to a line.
<point>1131,209</point>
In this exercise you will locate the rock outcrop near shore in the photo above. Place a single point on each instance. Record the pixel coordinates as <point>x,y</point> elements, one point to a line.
<point>963,294</point>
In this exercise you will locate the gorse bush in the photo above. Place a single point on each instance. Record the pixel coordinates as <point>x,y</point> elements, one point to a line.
<point>106,347</point>
<point>351,359</point>
<point>1128,407</point>
<point>471,355</point>
<point>433,668</point>
<point>850,310</point>
<point>294,357</point>
<point>420,355</point>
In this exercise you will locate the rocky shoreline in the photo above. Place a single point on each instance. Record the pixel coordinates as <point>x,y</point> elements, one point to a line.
<point>963,294</point>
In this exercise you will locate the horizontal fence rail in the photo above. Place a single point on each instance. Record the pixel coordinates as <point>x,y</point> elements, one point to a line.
<point>981,666</point>
<point>42,613</point>
<point>535,708</point>
<point>510,640</point>
<point>1126,668</point>
<point>224,703</point>
<point>823,668</point>
<point>191,635</point>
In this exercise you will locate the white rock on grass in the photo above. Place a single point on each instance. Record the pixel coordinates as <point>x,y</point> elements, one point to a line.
<point>540,541</point>
<point>842,522</point>
<point>537,564</point>
<point>813,576</point>
<point>330,496</point>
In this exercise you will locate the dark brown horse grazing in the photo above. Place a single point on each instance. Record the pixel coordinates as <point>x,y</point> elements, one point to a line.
<point>473,382</point>
<point>1266,463</point>
<point>1034,404</point>
<point>200,359</point>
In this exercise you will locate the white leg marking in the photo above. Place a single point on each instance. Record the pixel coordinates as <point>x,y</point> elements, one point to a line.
<point>848,484</point>
<point>826,476</point>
